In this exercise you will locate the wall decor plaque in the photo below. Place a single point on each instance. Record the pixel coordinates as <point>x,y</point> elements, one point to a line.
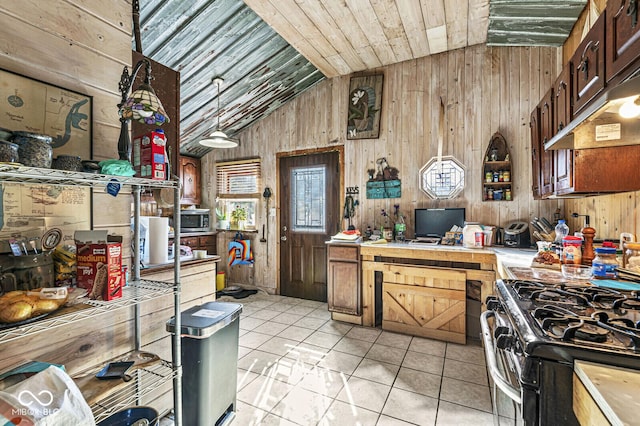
<point>365,104</point>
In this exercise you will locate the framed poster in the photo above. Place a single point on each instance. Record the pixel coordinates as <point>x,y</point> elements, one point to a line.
<point>365,103</point>
<point>34,106</point>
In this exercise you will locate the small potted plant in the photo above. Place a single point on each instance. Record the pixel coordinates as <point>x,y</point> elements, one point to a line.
<point>223,222</point>
<point>239,217</point>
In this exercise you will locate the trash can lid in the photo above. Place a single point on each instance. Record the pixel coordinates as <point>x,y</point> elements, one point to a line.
<point>202,321</point>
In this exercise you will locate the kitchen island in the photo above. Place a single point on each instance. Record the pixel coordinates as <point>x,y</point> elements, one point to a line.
<point>422,289</point>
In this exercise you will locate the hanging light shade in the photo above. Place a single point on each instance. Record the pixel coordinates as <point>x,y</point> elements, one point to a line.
<point>144,106</point>
<point>218,139</point>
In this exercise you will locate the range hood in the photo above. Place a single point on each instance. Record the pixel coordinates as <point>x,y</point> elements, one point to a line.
<point>600,113</point>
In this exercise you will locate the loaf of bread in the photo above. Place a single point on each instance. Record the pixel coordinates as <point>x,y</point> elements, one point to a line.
<point>16,306</point>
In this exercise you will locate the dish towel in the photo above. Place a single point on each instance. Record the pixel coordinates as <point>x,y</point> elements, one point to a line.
<point>240,253</point>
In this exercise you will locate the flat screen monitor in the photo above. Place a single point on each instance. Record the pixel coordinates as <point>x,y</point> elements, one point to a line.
<point>436,222</point>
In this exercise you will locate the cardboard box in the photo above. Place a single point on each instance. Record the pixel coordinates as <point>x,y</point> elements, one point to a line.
<point>99,264</point>
<point>149,155</point>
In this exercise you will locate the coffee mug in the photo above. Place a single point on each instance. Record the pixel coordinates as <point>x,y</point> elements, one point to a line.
<point>199,254</point>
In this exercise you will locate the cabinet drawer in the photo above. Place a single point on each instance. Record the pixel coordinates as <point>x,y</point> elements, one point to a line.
<point>424,276</point>
<point>189,241</point>
<point>207,240</point>
<point>343,253</point>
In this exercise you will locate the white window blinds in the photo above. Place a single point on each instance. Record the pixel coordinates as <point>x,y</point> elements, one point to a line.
<point>238,178</point>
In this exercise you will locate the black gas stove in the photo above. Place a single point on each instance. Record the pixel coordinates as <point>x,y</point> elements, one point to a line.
<point>533,332</point>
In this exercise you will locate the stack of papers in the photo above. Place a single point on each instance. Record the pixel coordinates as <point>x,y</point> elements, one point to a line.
<point>347,237</point>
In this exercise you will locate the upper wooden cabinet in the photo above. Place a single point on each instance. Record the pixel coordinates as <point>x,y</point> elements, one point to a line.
<point>536,151</point>
<point>623,37</point>
<point>547,130</point>
<point>588,66</point>
<point>190,177</point>
<point>563,105</point>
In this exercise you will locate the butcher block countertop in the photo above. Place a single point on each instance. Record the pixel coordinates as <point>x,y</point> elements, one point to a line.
<point>613,389</point>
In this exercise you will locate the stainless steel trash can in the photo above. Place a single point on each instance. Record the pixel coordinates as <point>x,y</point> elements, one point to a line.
<point>209,362</point>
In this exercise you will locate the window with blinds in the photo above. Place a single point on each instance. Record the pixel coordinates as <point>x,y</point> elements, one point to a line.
<point>238,178</point>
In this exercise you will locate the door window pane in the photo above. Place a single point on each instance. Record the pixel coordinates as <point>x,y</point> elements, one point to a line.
<point>308,199</point>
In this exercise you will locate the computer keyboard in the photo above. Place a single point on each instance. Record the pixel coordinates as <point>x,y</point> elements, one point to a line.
<point>428,241</point>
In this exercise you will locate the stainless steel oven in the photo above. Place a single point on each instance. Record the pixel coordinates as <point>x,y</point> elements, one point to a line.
<point>532,333</point>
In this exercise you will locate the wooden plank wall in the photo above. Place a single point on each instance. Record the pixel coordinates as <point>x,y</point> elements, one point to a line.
<point>484,90</point>
<point>83,46</point>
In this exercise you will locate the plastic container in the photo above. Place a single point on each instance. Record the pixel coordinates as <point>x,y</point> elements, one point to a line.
<point>562,230</point>
<point>571,250</point>
<point>605,263</point>
<point>34,150</point>
<point>632,256</point>
<point>469,235</point>
<point>220,281</point>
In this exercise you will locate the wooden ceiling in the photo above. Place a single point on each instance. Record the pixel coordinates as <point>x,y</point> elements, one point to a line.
<point>341,37</point>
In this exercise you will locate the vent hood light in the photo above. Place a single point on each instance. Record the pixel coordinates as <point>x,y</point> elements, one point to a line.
<point>609,105</point>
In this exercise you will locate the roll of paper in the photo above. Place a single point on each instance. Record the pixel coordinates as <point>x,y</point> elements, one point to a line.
<point>158,240</point>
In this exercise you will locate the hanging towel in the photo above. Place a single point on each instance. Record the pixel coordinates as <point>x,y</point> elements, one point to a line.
<point>240,253</point>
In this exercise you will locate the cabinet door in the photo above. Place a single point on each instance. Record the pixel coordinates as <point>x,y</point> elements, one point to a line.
<point>191,242</point>
<point>190,176</point>
<point>588,66</point>
<point>343,280</point>
<point>546,133</point>
<point>534,125</point>
<point>427,302</point>
<point>563,111</point>
<point>563,170</point>
<point>623,37</point>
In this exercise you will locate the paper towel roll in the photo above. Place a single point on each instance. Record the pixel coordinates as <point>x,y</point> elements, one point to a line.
<point>158,240</point>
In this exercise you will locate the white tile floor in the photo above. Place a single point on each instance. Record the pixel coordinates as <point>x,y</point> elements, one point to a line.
<point>298,367</point>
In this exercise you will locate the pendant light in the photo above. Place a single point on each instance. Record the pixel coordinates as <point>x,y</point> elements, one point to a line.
<point>218,139</point>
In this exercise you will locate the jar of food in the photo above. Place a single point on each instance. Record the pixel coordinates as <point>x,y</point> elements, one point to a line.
<point>501,176</point>
<point>605,263</point>
<point>506,175</point>
<point>571,250</point>
<point>68,162</point>
<point>490,194</point>
<point>8,152</point>
<point>34,149</point>
<point>507,194</point>
<point>496,176</point>
<point>488,177</point>
<point>632,256</point>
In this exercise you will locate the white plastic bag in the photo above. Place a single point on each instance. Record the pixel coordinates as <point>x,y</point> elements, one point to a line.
<point>49,398</point>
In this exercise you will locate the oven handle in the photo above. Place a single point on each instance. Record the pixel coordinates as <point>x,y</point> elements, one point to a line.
<point>489,351</point>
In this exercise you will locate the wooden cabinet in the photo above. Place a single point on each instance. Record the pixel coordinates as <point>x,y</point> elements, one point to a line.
<point>546,133</point>
<point>536,150</point>
<point>344,290</point>
<point>424,301</point>
<point>588,66</point>
<point>622,38</point>
<point>190,176</point>
<point>200,242</point>
<point>497,176</point>
<point>563,104</point>
<point>563,170</point>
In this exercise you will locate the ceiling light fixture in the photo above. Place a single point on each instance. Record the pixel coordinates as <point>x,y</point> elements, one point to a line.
<point>630,109</point>
<point>218,139</point>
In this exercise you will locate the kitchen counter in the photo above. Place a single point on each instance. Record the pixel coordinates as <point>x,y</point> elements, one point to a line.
<point>184,261</point>
<point>613,390</point>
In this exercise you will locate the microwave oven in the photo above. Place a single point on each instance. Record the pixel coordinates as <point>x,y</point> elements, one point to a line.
<point>194,220</point>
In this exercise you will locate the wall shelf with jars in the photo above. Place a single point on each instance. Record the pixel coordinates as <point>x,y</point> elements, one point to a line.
<point>497,175</point>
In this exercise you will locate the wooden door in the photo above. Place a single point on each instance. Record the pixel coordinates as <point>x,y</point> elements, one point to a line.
<point>423,301</point>
<point>309,216</point>
<point>536,151</point>
<point>588,67</point>
<point>622,37</point>
<point>546,133</point>
<point>190,176</point>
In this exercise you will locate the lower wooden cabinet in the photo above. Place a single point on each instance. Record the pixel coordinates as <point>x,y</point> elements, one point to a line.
<point>344,289</point>
<point>424,301</point>
<point>202,242</point>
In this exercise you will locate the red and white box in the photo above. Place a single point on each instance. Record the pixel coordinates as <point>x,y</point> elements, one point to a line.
<point>99,264</point>
<point>150,155</point>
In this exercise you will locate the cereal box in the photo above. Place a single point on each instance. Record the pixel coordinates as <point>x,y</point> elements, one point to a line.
<point>150,155</point>
<point>99,264</point>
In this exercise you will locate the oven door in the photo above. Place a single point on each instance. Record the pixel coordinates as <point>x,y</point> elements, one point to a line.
<point>504,371</point>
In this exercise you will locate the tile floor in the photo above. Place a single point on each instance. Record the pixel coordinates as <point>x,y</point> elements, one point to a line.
<point>298,367</point>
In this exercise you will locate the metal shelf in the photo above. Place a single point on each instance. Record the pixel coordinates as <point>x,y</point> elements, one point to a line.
<point>133,294</point>
<point>147,380</point>
<point>34,175</point>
